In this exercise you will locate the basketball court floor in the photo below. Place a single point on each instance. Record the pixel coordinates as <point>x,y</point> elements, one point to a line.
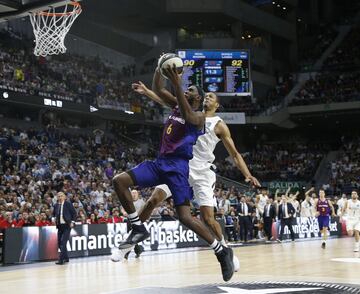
<point>300,267</point>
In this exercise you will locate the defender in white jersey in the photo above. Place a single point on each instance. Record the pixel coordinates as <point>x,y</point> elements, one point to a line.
<point>352,210</point>
<point>202,177</point>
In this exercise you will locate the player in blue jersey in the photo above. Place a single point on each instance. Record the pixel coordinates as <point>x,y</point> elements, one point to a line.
<point>180,133</point>
<point>324,209</point>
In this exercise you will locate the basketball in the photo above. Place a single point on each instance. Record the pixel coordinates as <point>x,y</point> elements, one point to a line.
<point>169,59</point>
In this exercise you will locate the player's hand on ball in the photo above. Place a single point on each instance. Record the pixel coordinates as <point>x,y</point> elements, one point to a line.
<point>172,74</point>
<point>253,181</point>
<point>139,87</point>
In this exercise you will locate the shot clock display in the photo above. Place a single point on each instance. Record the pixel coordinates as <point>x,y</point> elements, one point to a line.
<point>225,72</point>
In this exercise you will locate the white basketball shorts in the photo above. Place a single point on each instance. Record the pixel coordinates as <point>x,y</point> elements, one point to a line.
<point>203,183</point>
<point>353,224</point>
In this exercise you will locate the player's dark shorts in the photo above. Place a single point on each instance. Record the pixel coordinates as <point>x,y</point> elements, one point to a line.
<point>323,221</point>
<point>174,172</point>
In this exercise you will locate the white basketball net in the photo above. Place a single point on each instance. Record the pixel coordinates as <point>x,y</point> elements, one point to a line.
<point>50,28</point>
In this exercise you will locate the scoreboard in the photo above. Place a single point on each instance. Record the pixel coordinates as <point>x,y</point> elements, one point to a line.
<point>226,72</point>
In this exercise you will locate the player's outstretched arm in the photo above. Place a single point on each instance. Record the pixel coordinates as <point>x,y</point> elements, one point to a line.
<point>190,116</point>
<point>225,135</point>
<point>307,193</point>
<point>140,88</point>
<point>158,87</point>
<point>287,193</point>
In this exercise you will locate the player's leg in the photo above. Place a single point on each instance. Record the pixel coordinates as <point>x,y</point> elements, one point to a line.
<point>122,183</point>
<point>145,174</point>
<point>160,193</point>
<point>176,174</point>
<point>203,182</point>
<point>208,217</point>
<point>223,254</point>
<point>357,236</point>
<point>324,235</point>
<point>321,228</point>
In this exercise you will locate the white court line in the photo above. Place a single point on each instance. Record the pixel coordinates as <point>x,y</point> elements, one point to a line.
<point>348,260</point>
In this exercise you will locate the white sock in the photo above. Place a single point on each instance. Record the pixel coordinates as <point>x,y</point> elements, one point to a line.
<point>222,241</point>
<point>216,246</point>
<point>134,218</point>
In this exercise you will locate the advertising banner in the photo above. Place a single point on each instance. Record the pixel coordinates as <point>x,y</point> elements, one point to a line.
<point>233,118</point>
<point>40,243</point>
<point>282,186</point>
<point>308,227</point>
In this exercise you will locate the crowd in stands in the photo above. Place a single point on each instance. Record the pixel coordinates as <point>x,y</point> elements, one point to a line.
<point>345,170</point>
<point>184,34</point>
<point>90,80</point>
<point>35,164</point>
<point>278,161</point>
<point>275,97</point>
<point>271,103</point>
<point>340,81</point>
<point>347,55</point>
<point>70,77</point>
<point>329,88</point>
<point>320,39</point>
<point>240,104</point>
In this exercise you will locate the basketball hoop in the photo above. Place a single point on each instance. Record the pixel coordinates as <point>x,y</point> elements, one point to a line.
<point>50,28</point>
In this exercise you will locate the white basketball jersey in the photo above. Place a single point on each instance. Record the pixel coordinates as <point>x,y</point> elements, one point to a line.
<point>203,150</point>
<point>353,209</point>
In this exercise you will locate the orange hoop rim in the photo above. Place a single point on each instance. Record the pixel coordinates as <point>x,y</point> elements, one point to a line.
<point>77,9</point>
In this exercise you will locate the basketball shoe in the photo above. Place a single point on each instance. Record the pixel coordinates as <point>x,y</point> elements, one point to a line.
<point>225,257</point>
<point>356,247</point>
<point>137,235</point>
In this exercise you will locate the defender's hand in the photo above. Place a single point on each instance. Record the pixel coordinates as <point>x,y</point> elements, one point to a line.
<point>139,87</point>
<point>253,181</point>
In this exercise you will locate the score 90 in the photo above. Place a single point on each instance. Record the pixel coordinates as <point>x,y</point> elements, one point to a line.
<point>236,63</point>
<point>189,62</point>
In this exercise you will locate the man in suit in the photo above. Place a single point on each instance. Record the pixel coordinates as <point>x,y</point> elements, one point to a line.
<point>286,213</point>
<point>244,212</point>
<point>65,216</point>
<point>269,215</point>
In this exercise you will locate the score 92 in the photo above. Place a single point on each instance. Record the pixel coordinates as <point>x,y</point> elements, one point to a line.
<point>190,62</point>
<point>236,63</point>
